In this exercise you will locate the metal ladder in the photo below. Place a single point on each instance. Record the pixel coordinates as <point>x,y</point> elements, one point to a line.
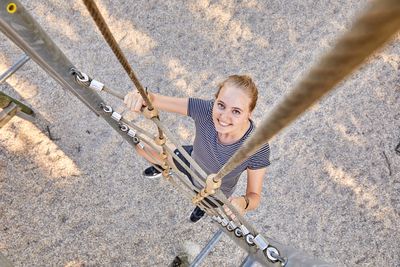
<point>10,106</point>
<point>181,261</point>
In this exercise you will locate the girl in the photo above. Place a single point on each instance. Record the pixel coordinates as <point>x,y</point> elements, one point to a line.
<point>222,125</point>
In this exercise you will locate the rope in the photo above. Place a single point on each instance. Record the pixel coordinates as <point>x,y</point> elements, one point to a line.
<point>376,26</point>
<point>105,31</point>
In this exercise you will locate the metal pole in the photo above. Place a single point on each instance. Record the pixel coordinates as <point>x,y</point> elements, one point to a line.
<point>204,252</point>
<point>248,262</point>
<point>295,257</point>
<point>21,61</point>
<point>5,100</point>
<point>7,114</point>
<point>25,32</point>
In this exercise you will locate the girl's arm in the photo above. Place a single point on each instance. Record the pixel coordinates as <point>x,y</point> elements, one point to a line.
<point>135,102</point>
<point>253,191</point>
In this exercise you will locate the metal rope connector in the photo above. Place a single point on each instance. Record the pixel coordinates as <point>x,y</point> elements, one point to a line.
<point>84,80</point>
<point>149,114</point>
<point>116,116</point>
<point>80,78</point>
<point>166,174</point>
<point>273,256</point>
<point>76,73</point>
<point>249,240</point>
<point>238,232</point>
<point>165,165</point>
<point>163,156</point>
<point>260,242</point>
<point>231,226</point>
<point>160,140</point>
<point>210,189</point>
<point>96,85</point>
<point>131,133</point>
<point>124,127</point>
<point>224,222</point>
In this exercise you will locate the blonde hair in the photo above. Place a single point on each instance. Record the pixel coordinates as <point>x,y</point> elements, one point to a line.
<point>244,83</point>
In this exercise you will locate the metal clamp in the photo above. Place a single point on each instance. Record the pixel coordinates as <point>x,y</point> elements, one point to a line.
<point>210,189</point>
<point>244,230</point>
<point>82,78</point>
<point>165,165</point>
<point>249,239</point>
<point>224,222</point>
<point>149,114</point>
<point>123,127</point>
<point>260,242</point>
<point>273,255</point>
<point>231,226</point>
<point>166,174</point>
<point>116,116</point>
<point>131,133</point>
<point>136,141</point>
<point>163,156</point>
<point>107,109</point>
<point>217,219</point>
<point>238,232</point>
<point>96,85</point>
<point>160,140</point>
<point>76,73</point>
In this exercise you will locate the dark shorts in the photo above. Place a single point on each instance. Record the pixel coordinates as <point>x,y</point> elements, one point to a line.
<point>189,150</point>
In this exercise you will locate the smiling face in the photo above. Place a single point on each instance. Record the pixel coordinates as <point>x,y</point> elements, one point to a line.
<point>231,111</point>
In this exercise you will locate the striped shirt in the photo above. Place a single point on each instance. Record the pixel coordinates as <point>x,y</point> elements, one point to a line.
<point>211,154</point>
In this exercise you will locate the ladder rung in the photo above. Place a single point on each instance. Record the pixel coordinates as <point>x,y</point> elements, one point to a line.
<point>7,113</point>
<point>21,61</point>
<point>5,101</point>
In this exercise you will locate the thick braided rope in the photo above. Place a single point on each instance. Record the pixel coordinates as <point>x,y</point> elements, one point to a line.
<point>376,26</point>
<point>105,31</point>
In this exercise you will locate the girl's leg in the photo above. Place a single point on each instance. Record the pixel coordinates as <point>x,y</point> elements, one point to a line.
<point>149,153</point>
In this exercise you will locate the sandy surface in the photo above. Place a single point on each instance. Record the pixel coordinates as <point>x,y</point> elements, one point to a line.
<point>333,188</point>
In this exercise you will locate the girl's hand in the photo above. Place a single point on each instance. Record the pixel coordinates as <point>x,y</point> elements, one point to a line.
<point>239,203</point>
<point>134,101</point>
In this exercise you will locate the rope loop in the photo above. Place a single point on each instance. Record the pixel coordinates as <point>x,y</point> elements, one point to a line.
<point>211,187</point>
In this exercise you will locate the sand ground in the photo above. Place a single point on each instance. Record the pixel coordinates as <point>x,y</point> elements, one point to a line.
<point>77,198</point>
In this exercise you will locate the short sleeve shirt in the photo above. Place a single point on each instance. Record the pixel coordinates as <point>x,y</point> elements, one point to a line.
<point>211,154</point>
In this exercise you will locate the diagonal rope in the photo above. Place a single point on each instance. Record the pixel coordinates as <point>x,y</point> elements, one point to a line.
<point>375,27</point>
<point>105,31</point>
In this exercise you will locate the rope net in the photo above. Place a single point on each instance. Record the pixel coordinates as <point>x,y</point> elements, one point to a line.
<point>369,32</point>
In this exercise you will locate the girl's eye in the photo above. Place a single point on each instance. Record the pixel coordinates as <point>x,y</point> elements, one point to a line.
<point>221,106</point>
<point>236,112</point>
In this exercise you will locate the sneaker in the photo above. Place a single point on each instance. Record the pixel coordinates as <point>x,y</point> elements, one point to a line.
<point>151,172</point>
<point>197,214</point>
